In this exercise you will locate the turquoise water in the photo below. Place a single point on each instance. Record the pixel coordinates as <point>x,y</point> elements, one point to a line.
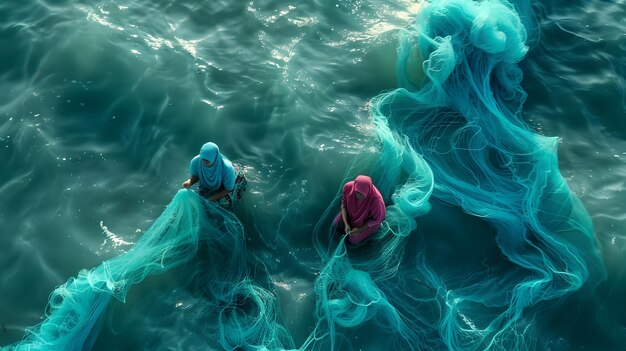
<point>104,105</point>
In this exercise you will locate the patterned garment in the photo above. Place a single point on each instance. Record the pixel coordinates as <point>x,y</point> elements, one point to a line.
<point>237,193</point>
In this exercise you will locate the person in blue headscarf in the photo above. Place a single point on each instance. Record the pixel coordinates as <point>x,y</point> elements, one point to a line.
<point>218,178</point>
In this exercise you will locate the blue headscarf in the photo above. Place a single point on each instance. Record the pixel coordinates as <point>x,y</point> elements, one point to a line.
<point>221,172</point>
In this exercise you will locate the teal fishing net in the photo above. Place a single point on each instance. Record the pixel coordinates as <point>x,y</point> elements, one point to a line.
<point>247,313</point>
<point>458,137</point>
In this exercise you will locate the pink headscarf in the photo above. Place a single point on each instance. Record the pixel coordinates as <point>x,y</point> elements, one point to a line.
<point>370,210</point>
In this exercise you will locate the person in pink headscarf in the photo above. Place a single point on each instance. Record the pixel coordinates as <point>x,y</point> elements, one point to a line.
<point>362,209</point>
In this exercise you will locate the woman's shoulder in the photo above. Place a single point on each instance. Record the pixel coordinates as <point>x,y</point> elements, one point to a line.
<point>377,195</point>
<point>195,162</point>
<point>229,165</point>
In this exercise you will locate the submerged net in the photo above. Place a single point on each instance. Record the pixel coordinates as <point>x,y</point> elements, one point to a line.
<point>453,138</point>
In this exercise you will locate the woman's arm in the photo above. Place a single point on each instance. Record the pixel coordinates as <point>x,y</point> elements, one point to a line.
<point>376,218</point>
<point>228,185</point>
<point>220,194</point>
<point>377,215</point>
<point>356,231</point>
<point>191,181</point>
<point>344,216</point>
